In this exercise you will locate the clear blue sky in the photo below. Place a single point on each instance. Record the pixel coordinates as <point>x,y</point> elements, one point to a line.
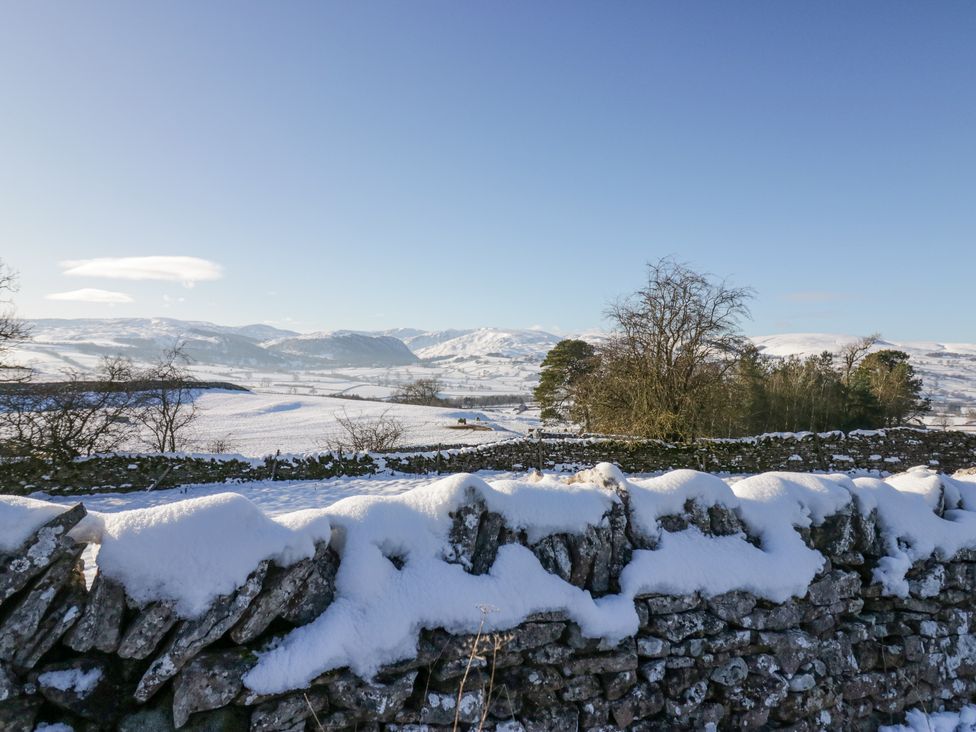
<point>455,164</point>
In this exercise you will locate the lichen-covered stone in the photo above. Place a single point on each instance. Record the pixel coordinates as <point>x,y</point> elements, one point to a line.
<point>209,681</point>
<point>95,699</point>
<point>732,606</point>
<point>318,590</point>
<point>373,702</point>
<point>679,626</point>
<point>730,673</point>
<point>19,628</point>
<point>192,636</point>
<point>147,630</point>
<point>446,708</point>
<point>100,624</point>
<point>43,548</point>
<point>280,588</point>
<point>289,713</point>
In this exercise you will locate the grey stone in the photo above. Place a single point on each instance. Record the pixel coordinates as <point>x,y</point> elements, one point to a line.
<point>22,623</point>
<point>834,586</point>
<point>758,692</point>
<point>475,536</point>
<point>650,647</point>
<point>580,688</point>
<point>690,699</point>
<point>374,702</point>
<point>19,714</point>
<point>192,636</point>
<point>289,713</point>
<point>209,681</point>
<point>455,667</point>
<point>779,617</point>
<point>792,648</point>
<point>553,554</point>
<point>445,708</point>
<point>802,682</point>
<point>732,606</point>
<point>724,521</point>
<point>552,719</point>
<point>318,591</point>
<point>45,546</point>
<point>65,613</point>
<point>617,684</point>
<point>731,673</point>
<point>679,626</point>
<point>280,588</point>
<point>642,702</point>
<point>837,535</point>
<point>668,604</point>
<point>653,671</point>
<point>95,699</point>
<point>532,635</point>
<point>9,684</point>
<point>595,715</point>
<point>147,630</point>
<point>606,663</point>
<point>551,654</point>
<point>728,640</point>
<point>100,625</point>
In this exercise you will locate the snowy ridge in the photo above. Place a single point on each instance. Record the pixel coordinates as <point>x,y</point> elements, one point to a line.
<point>212,543</point>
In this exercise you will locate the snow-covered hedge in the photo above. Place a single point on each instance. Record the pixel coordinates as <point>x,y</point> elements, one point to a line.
<point>544,602</point>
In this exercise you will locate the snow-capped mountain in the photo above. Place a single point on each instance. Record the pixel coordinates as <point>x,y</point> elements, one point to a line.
<point>480,342</point>
<point>474,358</point>
<point>56,344</point>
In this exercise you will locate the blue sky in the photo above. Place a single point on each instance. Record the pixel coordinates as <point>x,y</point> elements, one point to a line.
<point>454,164</point>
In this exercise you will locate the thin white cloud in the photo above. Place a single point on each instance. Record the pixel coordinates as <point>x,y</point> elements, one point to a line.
<point>188,270</point>
<point>90,294</point>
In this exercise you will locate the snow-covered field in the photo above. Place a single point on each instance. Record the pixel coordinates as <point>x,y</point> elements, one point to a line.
<point>258,424</point>
<point>292,409</point>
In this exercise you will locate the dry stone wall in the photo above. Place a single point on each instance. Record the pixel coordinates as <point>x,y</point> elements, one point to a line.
<point>843,656</point>
<point>882,451</point>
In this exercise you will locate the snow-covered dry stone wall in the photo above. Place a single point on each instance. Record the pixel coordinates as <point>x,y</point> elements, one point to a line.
<point>880,451</point>
<point>590,602</point>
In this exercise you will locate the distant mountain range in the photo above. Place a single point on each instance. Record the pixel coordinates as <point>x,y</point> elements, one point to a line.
<point>263,346</point>
<point>949,369</point>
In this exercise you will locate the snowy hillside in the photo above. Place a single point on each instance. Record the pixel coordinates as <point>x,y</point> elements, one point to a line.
<point>346,348</point>
<point>532,344</point>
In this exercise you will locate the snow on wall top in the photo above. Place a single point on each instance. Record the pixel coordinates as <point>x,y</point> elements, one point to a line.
<point>194,550</point>
<point>20,517</point>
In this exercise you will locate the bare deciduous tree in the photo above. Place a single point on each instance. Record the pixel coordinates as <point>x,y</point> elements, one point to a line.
<point>67,419</point>
<point>424,392</point>
<point>674,340</point>
<point>366,434</point>
<point>12,329</point>
<point>168,406</point>
<point>852,354</point>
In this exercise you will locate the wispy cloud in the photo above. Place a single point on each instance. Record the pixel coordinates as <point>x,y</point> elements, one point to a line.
<point>90,294</point>
<point>188,270</point>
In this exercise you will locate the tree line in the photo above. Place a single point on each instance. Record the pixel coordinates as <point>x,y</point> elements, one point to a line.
<point>676,366</point>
